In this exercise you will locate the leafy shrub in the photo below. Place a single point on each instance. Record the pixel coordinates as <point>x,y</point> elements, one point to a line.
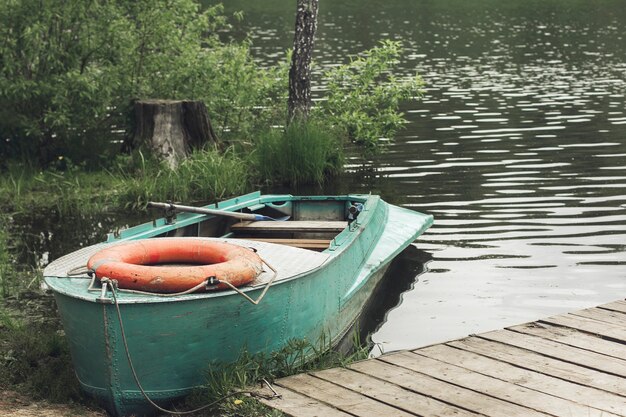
<point>69,71</point>
<point>364,96</point>
<point>304,153</point>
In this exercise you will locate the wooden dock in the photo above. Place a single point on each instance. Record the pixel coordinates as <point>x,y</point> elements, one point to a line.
<point>567,365</point>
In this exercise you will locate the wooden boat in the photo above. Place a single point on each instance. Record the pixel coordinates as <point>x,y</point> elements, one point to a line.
<point>327,264</point>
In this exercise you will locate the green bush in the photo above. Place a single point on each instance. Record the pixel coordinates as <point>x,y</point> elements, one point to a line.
<point>69,71</point>
<point>304,153</point>
<point>364,96</point>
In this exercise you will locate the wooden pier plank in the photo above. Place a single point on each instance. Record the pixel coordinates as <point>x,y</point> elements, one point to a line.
<point>591,397</point>
<point>542,364</point>
<point>619,305</point>
<point>573,337</point>
<point>559,351</point>
<point>612,317</point>
<point>339,397</point>
<point>493,387</point>
<point>461,397</point>
<point>298,405</point>
<point>572,364</point>
<point>389,393</point>
<point>588,325</point>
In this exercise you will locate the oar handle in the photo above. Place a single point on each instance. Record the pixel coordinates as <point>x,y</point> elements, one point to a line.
<point>202,210</point>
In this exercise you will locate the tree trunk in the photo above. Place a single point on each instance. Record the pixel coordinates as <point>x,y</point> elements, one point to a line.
<point>171,129</point>
<point>299,103</point>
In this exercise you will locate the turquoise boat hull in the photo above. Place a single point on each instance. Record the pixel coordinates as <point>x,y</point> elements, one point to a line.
<point>173,341</point>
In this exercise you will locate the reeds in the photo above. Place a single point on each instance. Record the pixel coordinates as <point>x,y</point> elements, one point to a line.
<point>205,176</point>
<point>304,153</point>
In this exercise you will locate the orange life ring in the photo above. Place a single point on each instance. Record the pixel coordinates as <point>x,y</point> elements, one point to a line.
<point>136,264</point>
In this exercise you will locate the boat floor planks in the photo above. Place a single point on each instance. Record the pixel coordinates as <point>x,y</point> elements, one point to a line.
<point>567,365</point>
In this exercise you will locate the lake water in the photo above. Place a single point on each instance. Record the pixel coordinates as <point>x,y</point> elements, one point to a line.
<point>518,149</point>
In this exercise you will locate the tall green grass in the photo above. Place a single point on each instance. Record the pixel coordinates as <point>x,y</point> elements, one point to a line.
<point>23,188</point>
<point>250,369</point>
<point>304,153</point>
<point>206,175</point>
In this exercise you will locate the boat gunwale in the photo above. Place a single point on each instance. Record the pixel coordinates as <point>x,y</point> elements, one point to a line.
<point>349,234</point>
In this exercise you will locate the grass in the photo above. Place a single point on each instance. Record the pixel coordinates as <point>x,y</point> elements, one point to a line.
<point>205,175</point>
<point>35,355</point>
<point>35,361</point>
<point>304,153</point>
<point>249,370</point>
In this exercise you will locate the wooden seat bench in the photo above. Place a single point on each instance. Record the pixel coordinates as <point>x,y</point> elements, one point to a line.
<point>304,226</point>
<point>314,244</point>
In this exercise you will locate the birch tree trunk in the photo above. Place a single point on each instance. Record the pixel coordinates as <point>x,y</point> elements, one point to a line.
<point>299,103</point>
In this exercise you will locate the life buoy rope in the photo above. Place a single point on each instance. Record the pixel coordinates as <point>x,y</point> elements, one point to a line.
<point>139,265</point>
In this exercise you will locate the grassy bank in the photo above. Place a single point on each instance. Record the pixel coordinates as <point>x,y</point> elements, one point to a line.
<point>36,362</point>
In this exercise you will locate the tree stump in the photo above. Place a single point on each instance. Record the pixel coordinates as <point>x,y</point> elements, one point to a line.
<point>172,128</point>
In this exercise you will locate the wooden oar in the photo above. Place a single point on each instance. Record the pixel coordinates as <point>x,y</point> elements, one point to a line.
<point>202,210</point>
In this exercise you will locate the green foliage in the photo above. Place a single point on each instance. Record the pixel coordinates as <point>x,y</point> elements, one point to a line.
<point>364,96</point>
<point>205,176</point>
<point>6,270</point>
<point>304,153</point>
<point>69,71</point>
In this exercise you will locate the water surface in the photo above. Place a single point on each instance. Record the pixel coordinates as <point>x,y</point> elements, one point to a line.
<point>518,149</point>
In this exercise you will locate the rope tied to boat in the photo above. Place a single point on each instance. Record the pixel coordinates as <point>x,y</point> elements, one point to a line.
<point>114,288</point>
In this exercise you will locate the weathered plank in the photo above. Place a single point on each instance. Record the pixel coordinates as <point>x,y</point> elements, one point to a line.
<point>389,393</point>
<point>567,365</point>
<point>298,243</point>
<point>619,305</point>
<point>338,397</point>
<point>612,317</point>
<point>559,351</point>
<point>290,226</point>
<point>459,396</point>
<point>542,364</point>
<point>573,337</point>
<point>494,387</point>
<point>297,405</point>
<point>588,325</point>
<point>596,400</point>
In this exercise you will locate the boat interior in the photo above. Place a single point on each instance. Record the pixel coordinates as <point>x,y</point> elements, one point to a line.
<point>292,246</point>
<point>306,224</point>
